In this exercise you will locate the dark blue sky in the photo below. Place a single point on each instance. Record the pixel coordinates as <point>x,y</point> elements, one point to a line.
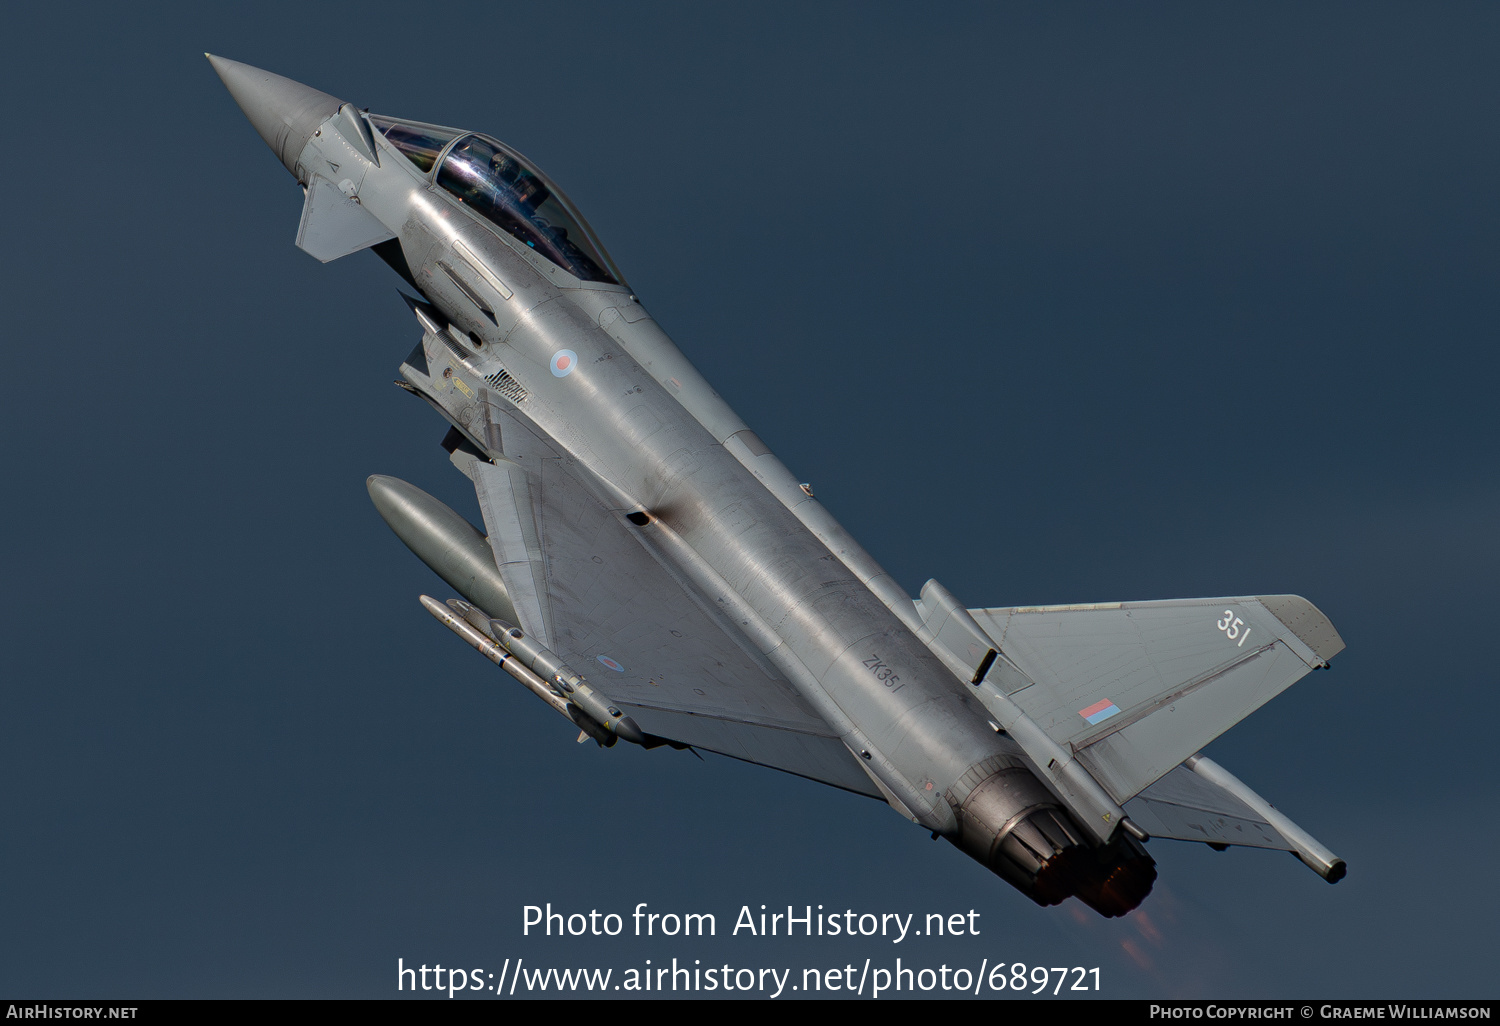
<point>1052,303</point>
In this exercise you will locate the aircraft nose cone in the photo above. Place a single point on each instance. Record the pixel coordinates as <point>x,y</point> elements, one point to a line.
<point>285,113</point>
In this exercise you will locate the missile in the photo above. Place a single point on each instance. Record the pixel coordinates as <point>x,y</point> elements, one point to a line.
<point>549,666</point>
<point>512,665</point>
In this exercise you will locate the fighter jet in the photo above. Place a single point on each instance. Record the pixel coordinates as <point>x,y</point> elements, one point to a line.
<point>650,570</point>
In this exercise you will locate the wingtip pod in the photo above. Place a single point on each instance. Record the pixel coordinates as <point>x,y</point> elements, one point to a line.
<point>285,112</point>
<point>1308,849</point>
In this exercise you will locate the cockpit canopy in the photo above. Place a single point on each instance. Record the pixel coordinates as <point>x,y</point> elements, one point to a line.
<point>421,143</point>
<point>499,184</point>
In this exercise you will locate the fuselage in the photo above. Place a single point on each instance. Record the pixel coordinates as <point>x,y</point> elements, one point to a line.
<point>540,321</point>
<point>654,438</point>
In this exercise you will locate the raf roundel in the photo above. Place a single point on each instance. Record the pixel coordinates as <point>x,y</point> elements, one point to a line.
<point>563,362</point>
<point>607,661</point>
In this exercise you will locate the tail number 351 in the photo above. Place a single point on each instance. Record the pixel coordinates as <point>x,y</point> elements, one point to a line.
<point>1233,627</point>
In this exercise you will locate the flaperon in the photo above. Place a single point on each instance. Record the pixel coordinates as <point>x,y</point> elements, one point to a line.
<point>653,572</point>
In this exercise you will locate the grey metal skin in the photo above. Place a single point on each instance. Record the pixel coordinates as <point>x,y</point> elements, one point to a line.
<point>1307,848</point>
<point>654,442</point>
<point>284,112</point>
<point>443,540</point>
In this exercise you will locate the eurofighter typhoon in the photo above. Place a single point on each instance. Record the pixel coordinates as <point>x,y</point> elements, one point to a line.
<point>651,571</point>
